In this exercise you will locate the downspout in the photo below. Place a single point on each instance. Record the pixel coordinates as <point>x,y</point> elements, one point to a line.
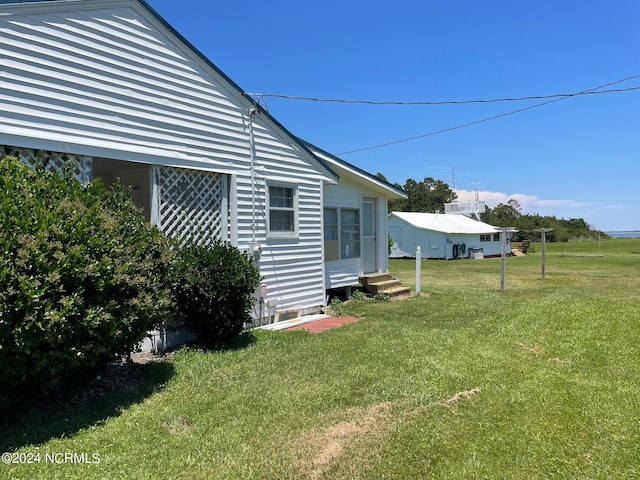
<point>252,148</point>
<point>254,246</point>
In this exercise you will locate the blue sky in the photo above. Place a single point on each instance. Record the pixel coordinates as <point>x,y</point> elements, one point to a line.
<point>578,157</point>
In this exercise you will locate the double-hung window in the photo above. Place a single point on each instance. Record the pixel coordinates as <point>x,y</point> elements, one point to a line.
<point>283,209</point>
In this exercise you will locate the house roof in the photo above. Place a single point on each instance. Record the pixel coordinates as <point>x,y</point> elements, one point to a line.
<point>320,163</point>
<point>440,222</point>
<point>360,176</point>
<point>24,1</point>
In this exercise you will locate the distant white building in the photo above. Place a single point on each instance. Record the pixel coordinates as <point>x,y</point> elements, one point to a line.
<point>442,236</point>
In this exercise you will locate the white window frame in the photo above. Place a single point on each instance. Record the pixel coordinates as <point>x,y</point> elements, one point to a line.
<point>286,234</point>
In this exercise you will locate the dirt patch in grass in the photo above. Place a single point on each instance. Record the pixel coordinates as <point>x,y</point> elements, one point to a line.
<point>531,348</point>
<point>535,350</point>
<point>466,395</point>
<point>322,449</point>
<point>178,425</point>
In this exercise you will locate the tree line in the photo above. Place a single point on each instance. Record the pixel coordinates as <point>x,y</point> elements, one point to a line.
<point>510,215</point>
<point>430,195</point>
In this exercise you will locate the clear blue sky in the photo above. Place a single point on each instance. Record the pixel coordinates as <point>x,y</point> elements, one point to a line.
<point>579,157</point>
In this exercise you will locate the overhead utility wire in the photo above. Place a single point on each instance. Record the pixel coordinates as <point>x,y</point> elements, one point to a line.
<point>453,102</point>
<point>483,120</point>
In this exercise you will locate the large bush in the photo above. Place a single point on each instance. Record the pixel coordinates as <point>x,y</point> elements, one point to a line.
<point>213,288</point>
<point>82,277</point>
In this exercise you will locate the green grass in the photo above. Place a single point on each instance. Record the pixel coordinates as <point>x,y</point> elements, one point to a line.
<point>542,381</point>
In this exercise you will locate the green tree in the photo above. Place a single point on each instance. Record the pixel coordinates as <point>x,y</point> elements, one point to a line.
<point>510,215</point>
<point>503,214</point>
<point>396,205</point>
<point>428,195</point>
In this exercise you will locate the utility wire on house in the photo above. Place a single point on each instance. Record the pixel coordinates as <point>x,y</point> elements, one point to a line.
<point>459,102</point>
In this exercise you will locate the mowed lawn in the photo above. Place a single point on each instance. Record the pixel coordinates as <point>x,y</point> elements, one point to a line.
<point>542,381</point>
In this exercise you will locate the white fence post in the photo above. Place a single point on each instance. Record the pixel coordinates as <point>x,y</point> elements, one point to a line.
<point>418,270</point>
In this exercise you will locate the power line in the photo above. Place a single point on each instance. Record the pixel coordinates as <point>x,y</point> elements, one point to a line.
<point>487,119</point>
<point>455,102</point>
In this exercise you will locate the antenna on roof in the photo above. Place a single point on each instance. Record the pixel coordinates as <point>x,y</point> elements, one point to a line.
<point>453,176</point>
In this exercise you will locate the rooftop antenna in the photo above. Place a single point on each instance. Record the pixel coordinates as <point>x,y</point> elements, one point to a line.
<point>453,177</point>
<point>475,190</point>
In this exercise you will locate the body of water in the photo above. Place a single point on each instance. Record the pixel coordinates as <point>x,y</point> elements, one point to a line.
<point>624,234</point>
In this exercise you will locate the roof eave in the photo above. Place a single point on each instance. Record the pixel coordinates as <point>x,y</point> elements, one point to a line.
<point>363,174</point>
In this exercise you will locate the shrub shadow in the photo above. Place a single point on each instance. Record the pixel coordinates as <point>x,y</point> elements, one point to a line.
<point>242,341</point>
<point>64,414</point>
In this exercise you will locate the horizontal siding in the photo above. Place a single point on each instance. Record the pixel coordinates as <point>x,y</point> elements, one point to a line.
<point>342,273</point>
<point>292,268</point>
<point>114,77</point>
<point>108,77</point>
<point>345,194</point>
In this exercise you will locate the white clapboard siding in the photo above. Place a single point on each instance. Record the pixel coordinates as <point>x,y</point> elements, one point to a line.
<point>111,79</point>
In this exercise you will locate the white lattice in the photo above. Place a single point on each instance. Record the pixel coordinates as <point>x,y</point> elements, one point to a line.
<point>57,162</point>
<point>191,204</point>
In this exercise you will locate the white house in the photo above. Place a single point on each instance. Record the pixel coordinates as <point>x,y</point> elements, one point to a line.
<point>355,222</point>
<point>442,236</point>
<point>110,88</point>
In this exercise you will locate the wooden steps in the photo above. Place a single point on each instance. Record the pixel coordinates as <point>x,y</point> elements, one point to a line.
<point>383,283</point>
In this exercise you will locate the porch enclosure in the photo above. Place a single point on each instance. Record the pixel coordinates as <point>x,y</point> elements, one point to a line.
<point>79,165</point>
<point>183,203</point>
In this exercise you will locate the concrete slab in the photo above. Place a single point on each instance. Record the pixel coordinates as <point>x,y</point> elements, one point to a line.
<point>294,322</point>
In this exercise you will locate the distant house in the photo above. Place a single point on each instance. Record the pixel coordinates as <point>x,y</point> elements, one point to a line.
<point>110,89</point>
<point>442,236</point>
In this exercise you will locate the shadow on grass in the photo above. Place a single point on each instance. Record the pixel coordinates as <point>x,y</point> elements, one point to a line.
<point>242,341</point>
<point>65,414</point>
<point>92,404</point>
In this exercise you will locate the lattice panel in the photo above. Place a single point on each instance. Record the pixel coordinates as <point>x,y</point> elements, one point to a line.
<point>191,204</point>
<point>79,165</point>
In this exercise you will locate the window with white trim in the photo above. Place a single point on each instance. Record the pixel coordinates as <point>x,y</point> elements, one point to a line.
<point>283,209</point>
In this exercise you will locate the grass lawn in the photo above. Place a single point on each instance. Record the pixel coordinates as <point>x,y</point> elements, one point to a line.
<point>542,381</point>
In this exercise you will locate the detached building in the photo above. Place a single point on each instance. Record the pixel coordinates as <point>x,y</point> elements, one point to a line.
<point>442,236</point>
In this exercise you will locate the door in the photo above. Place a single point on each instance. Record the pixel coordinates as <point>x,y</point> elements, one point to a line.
<point>369,239</point>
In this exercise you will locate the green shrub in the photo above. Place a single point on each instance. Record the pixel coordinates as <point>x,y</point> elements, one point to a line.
<point>336,307</point>
<point>82,278</point>
<point>381,297</point>
<point>212,289</point>
<point>358,296</point>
